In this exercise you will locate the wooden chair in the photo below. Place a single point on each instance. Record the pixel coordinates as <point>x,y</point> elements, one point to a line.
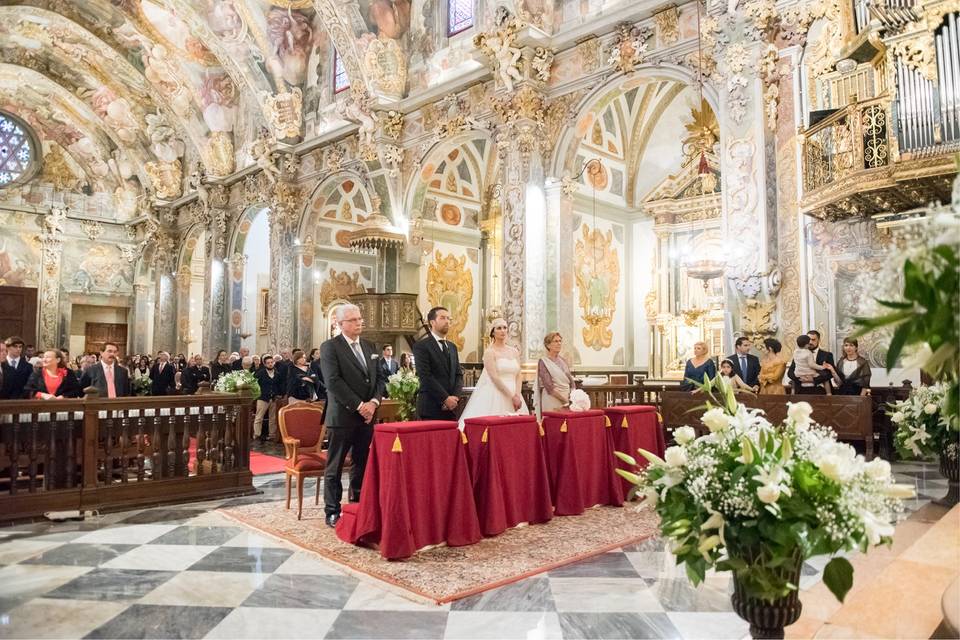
<point>302,430</point>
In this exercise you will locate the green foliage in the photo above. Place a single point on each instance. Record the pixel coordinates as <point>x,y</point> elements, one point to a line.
<point>140,386</point>
<point>838,576</point>
<point>403,387</point>
<point>238,380</point>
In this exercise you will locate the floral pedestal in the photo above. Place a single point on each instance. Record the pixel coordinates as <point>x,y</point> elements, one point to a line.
<point>767,619</point>
<point>950,469</point>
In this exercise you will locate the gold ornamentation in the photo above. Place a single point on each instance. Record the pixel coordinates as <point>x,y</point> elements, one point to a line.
<point>629,47</point>
<point>542,63</point>
<point>284,112</point>
<point>340,286</point>
<point>219,156</point>
<point>450,285</point>
<point>598,279</point>
<point>386,65</point>
<point>92,229</point>
<point>668,28</point>
<point>703,133</point>
<point>391,123</point>
<point>165,177</point>
<point>588,53</point>
<point>918,53</point>
<point>756,318</point>
<point>499,47</point>
<point>56,170</point>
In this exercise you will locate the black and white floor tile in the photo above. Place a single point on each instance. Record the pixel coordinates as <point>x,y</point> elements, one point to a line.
<point>188,572</point>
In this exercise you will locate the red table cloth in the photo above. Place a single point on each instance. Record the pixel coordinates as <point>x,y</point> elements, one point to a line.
<point>635,427</point>
<point>580,461</point>
<point>416,491</point>
<point>509,471</point>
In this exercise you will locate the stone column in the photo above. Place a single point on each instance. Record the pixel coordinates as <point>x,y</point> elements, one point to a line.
<point>284,212</point>
<point>304,258</point>
<point>142,311</point>
<point>183,280</point>
<point>51,247</point>
<point>214,323</point>
<point>164,312</point>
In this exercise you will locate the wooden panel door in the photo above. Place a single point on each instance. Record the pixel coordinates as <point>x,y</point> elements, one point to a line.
<point>97,333</point>
<point>18,314</point>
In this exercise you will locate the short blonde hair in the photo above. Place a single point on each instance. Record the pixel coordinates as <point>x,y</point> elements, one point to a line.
<point>547,339</point>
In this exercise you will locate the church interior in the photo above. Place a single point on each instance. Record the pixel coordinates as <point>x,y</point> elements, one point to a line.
<point>658,182</point>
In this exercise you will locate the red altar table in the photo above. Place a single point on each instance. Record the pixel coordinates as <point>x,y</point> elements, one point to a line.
<point>635,427</point>
<point>509,471</point>
<point>416,491</point>
<point>580,461</point>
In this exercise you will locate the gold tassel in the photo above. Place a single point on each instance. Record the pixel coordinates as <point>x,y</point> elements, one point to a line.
<point>563,427</point>
<point>540,427</point>
<point>624,423</point>
<point>659,418</point>
<point>606,421</point>
<point>463,436</point>
<point>397,447</point>
<point>483,438</point>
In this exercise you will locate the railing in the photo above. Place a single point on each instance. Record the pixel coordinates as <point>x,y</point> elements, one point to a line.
<point>98,453</point>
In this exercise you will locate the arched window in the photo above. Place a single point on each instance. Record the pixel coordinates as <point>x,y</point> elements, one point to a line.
<point>341,82</point>
<point>19,159</point>
<point>459,16</point>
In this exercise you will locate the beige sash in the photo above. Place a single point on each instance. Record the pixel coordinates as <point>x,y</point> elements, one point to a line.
<point>561,384</point>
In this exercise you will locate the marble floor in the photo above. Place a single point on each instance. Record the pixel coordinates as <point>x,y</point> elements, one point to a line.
<point>188,572</point>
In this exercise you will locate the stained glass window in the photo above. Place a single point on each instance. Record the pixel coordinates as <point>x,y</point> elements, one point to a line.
<point>459,16</point>
<point>340,80</point>
<point>16,150</point>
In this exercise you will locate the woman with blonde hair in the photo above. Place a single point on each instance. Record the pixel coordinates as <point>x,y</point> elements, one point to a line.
<point>498,389</point>
<point>554,379</point>
<point>698,368</point>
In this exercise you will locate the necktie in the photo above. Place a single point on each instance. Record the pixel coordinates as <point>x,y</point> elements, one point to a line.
<point>358,352</point>
<point>743,365</point>
<point>111,385</point>
<point>443,346</point>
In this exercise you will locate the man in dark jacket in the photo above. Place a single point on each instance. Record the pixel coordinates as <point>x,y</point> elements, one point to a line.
<point>162,375</point>
<point>269,381</point>
<point>108,376</point>
<point>16,370</point>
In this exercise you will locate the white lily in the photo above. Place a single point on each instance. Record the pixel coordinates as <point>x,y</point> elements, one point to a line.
<point>715,420</point>
<point>684,435</point>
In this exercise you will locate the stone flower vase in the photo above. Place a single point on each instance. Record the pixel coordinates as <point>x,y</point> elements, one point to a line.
<point>767,619</point>
<point>950,469</point>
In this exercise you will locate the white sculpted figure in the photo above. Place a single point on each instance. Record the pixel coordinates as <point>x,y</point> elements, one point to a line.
<point>262,153</point>
<point>163,139</point>
<point>196,182</point>
<point>357,110</point>
<point>506,57</point>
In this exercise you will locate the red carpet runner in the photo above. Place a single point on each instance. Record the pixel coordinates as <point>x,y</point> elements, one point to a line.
<point>260,463</point>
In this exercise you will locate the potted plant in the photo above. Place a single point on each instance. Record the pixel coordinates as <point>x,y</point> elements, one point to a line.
<point>923,430</point>
<point>141,386</point>
<point>403,387</point>
<point>758,499</point>
<point>237,381</point>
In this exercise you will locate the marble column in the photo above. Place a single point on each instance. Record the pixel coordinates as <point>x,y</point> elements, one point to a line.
<point>284,212</point>
<point>215,320</point>
<point>183,280</point>
<point>49,334</point>
<point>142,324</point>
<point>164,312</point>
<point>304,256</point>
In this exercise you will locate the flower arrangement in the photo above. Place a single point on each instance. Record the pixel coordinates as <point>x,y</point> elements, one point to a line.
<point>579,400</point>
<point>237,380</point>
<point>922,428</point>
<point>403,387</point>
<point>757,499</point>
<point>141,386</point>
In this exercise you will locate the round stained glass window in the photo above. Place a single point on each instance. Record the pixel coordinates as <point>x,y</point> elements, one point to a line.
<point>17,151</point>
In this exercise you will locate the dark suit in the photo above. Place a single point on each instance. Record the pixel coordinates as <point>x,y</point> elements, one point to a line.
<point>349,384</point>
<point>297,387</point>
<point>69,387</point>
<point>15,380</point>
<point>823,357</point>
<point>317,370</point>
<point>95,376</point>
<point>750,377</point>
<point>191,377</point>
<point>389,368</point>
<point>440,376</point>
<point>162,381</point>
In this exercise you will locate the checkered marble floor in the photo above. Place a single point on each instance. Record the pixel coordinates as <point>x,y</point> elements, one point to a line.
<point>188,572</point>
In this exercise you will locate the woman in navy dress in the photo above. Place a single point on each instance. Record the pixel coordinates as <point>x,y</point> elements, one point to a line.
<point>699,367</point>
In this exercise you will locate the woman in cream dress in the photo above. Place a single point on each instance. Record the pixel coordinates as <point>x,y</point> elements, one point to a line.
<point>554,380</point>
<point>498,389</point>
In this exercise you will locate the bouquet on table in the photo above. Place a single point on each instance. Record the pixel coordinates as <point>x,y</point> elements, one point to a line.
<point>758,499</point>
<point>403,387</point>
<point>922,426</point>
<point>140,386</point>
<point>237,380</point>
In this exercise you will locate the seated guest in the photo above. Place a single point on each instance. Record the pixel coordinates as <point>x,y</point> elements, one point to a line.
<point>852,373</point>
<point>806,370</point>
<point>162,375</point>
<point>109,378</point>
<point>53,380</point>
<point>554,380</point>
<point>772,369</point>
<point>699,368</point>
<point>268,379</point>
<point>813,383</point>
<point>15,369</point>
<point>745,365</point>
<point>193,375</point>
<point>726,370</point>
<point>301,382</point>
<point>219,367</point>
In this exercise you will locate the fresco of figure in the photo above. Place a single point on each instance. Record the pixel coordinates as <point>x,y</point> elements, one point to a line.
<point>218,95</point>
<point>389,18</point>
<point>290,36</point>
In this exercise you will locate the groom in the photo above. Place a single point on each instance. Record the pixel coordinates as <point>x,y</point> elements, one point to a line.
<point>438,368</point>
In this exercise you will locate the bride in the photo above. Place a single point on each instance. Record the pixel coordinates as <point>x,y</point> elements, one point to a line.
<point>498,390</point>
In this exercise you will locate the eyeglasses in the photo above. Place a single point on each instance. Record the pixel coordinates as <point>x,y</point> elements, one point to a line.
<point>352,320</point>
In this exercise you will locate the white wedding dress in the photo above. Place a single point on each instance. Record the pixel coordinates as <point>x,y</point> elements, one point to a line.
<point>488,400</point>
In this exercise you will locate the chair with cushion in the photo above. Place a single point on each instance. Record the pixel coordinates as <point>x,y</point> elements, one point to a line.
<point>301,427</point>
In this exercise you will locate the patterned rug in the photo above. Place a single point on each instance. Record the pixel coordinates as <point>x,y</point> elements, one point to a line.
<point>443,574</point>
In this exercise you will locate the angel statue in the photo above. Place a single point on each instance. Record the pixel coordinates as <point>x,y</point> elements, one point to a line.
<point>357,109</point>
<point>197,182</point>
<point>506,57</point>
<point>262,153</point>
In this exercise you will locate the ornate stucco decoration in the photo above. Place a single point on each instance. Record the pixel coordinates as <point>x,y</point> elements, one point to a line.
<point>597,272</point>
<point>165,178</point>
<point>392,157</point>
<point>386,65</point>
<point>92,229</point>
<point>261,150</point>
<point>453,116</point>
<point>340,286</point>
<point>703,133</point>
<point>542,63</point>
<point>358,109</point>
<point>56,170</point>
<point>219,154</point>
<point>629,46</point>
<point>668,27</point>
<point>758,320</point>
<point>918,53</point>
<point>499,46</point>
<point>450,284</point>
<point>588,54</point>
<point>285,205</point>
<point>284,112</point>
<point>391,123</point>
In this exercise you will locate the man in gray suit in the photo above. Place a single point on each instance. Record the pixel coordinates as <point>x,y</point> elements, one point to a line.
<point>108,376</point>
<point>354,382</point>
